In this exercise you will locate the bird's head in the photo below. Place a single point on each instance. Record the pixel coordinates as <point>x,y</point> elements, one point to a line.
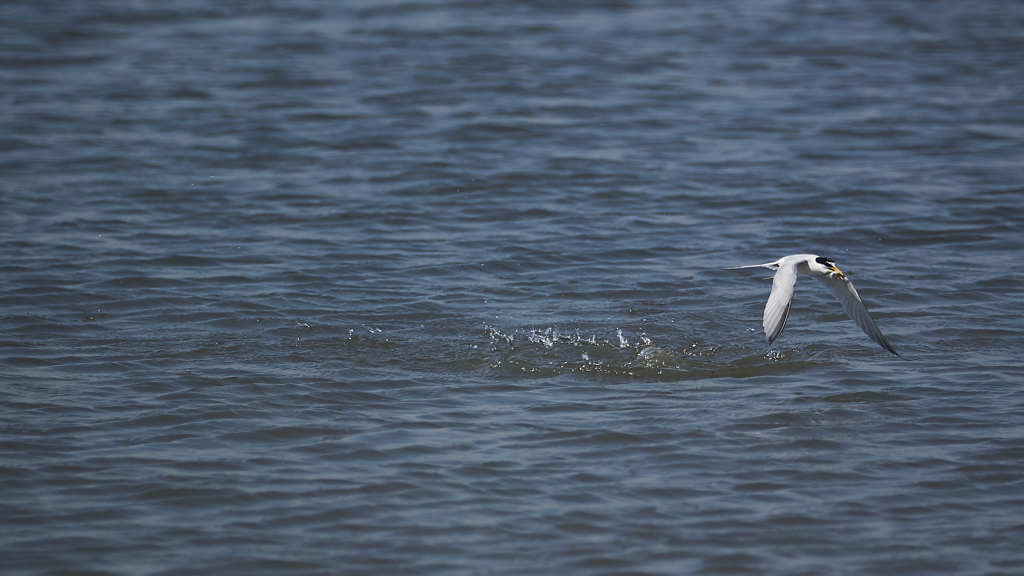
<point>828,266</point>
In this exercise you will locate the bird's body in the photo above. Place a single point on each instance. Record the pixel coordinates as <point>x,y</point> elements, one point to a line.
<point>776,311</point>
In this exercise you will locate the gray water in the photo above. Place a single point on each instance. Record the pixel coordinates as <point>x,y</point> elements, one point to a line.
<point>438,288</point>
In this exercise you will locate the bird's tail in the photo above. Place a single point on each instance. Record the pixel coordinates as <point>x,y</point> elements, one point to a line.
<point>765,265</point>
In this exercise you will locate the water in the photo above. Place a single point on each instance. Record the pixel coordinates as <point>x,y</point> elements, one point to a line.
<point>400,288</point>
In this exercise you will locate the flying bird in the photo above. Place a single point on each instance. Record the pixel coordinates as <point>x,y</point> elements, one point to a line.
<point>776,311</point>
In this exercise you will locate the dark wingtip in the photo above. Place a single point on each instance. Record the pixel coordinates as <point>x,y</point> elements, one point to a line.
<point>889,348</point>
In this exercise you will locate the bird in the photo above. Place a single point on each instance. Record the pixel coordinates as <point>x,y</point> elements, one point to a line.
<point>776,311</point>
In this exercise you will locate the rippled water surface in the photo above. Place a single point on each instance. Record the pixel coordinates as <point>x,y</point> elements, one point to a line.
<point>439,288</point>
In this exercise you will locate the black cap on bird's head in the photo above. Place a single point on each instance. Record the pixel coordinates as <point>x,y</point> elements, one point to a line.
<point>830,264</point>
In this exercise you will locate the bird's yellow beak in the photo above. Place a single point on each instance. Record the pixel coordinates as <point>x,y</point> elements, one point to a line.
<point>835,270</point>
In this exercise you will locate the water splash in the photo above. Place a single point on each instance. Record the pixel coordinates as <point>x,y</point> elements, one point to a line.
<point>551,351</point>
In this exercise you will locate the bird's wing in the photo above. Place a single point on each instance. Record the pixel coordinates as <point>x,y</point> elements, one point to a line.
<point>776,311</point>
<point>854,308</point>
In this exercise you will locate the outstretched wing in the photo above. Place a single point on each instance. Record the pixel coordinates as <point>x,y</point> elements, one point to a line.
<point>854,308</point>
<point>776,311</point>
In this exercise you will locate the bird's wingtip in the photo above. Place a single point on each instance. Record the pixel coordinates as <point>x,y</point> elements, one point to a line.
<point>888,348</point>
